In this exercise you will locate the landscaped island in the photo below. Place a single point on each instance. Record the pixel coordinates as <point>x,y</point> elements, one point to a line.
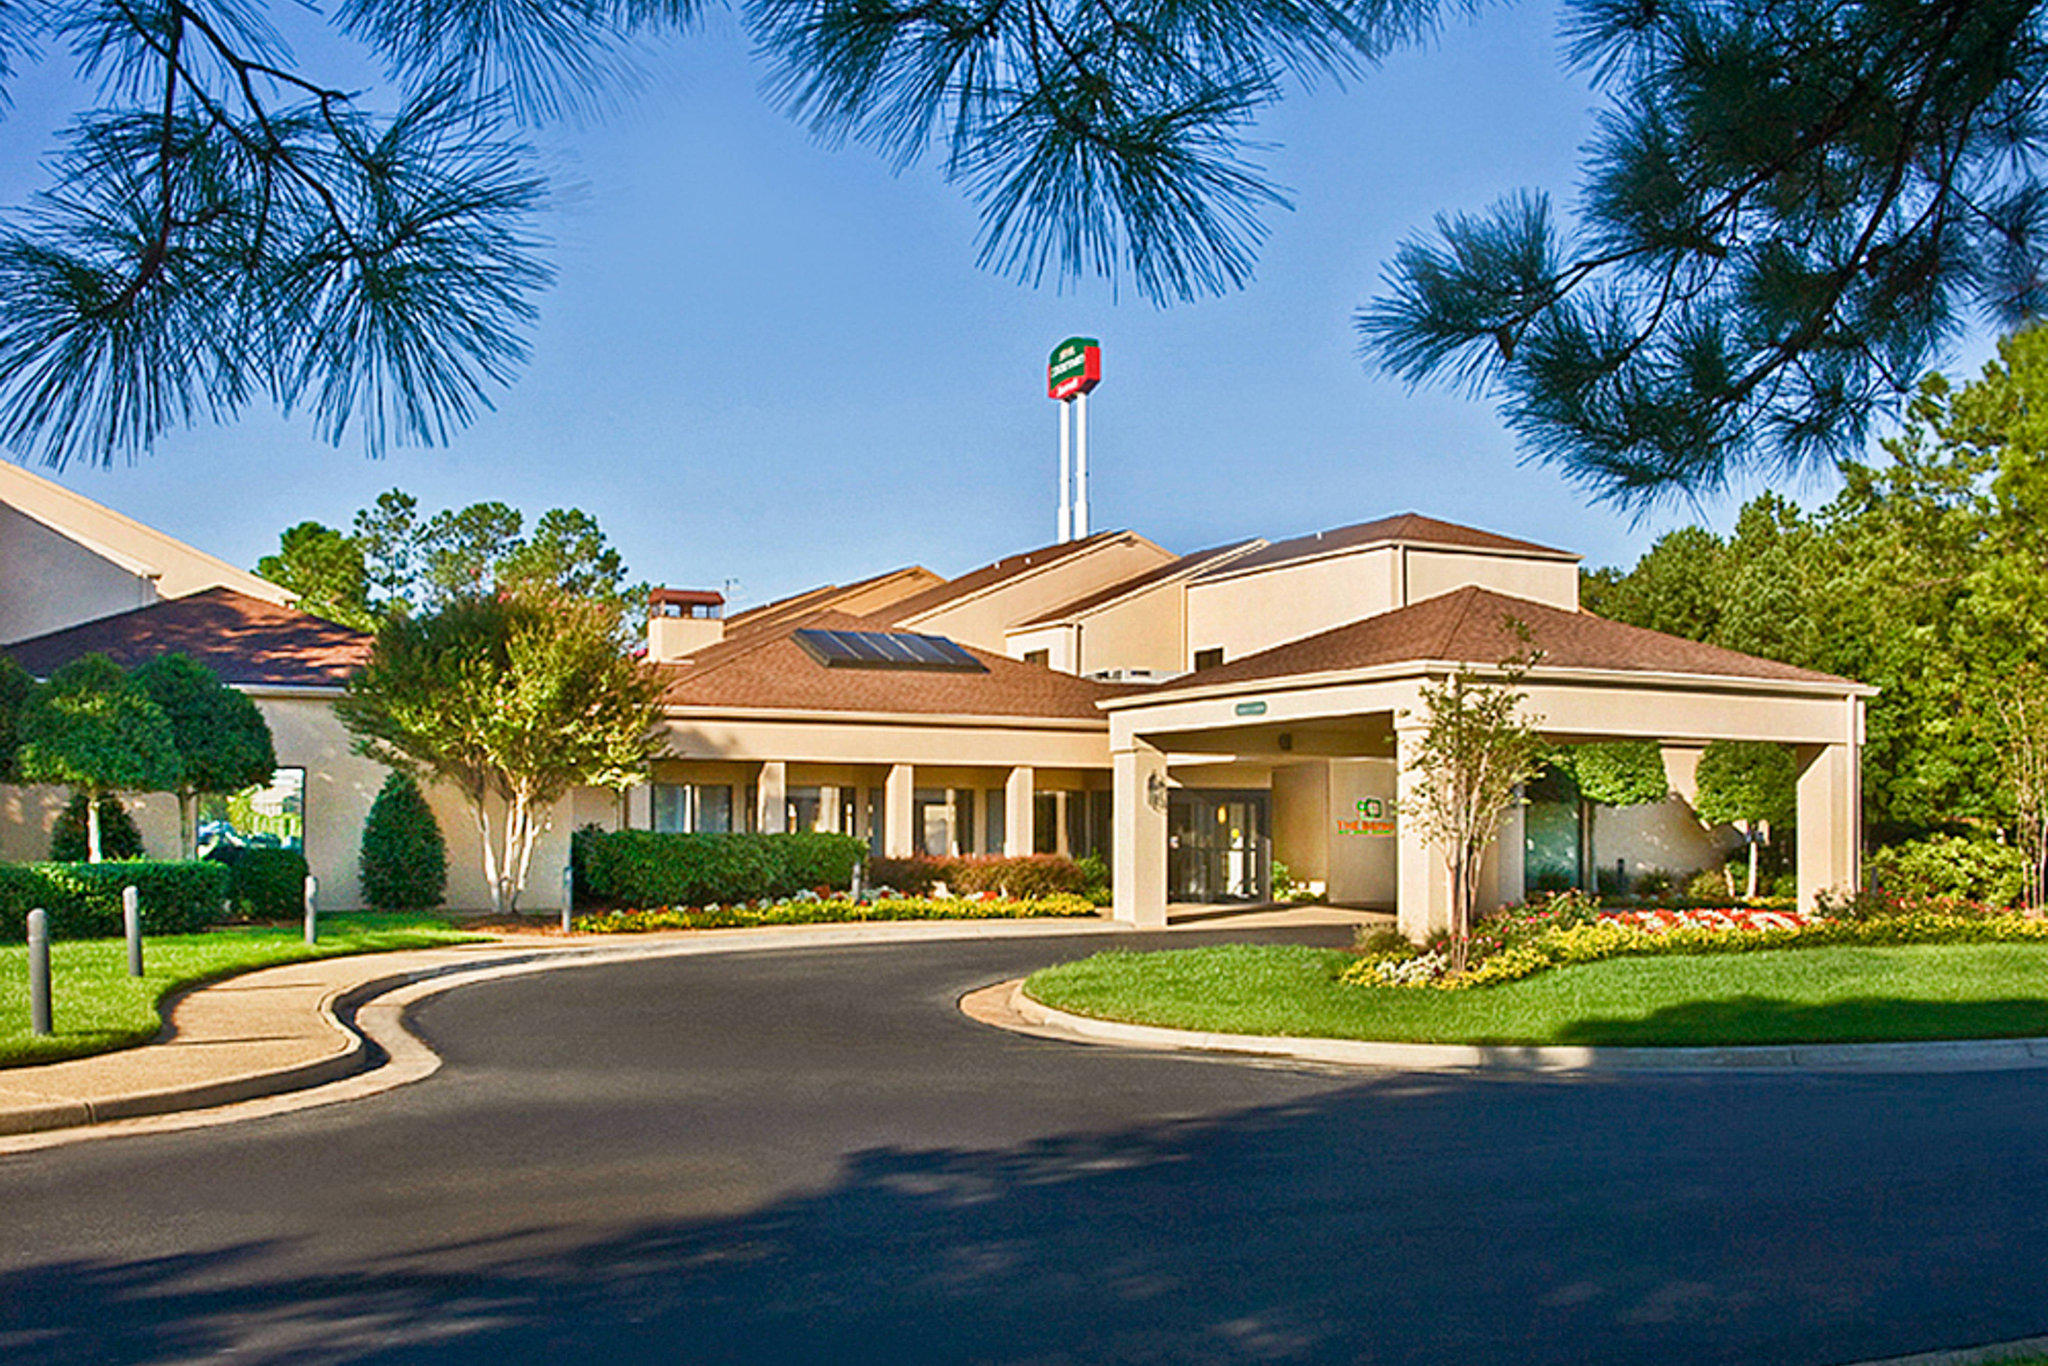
<point>1916,974</point>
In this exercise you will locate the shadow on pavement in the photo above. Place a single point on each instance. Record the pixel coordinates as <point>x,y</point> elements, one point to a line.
<point>1289,1232</point>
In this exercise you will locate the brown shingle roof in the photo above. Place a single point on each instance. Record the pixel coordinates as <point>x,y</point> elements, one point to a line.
<point>988,576</point>
<point>768,669</point>
<point>243,639</point>
<point>1406,526</point>
<point>1475,626</point>
<point>864,595</point>
<point>1186,564</point>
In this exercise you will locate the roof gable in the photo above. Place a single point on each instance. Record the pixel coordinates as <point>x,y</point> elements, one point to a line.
<point>1409,528</point>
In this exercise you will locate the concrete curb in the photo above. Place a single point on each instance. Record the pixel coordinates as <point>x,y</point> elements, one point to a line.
<point>376,1003</point>
<point>1949,1055</point>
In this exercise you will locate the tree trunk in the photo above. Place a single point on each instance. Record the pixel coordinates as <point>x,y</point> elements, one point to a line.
<point>92,827</point>
<point>482,815</point>
<point>1749,833</point>
<point>188,823</point>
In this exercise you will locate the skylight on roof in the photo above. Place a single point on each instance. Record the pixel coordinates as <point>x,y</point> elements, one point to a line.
<point>904,650</point>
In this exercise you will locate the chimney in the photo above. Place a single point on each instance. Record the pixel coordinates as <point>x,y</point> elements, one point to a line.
<point>681,621</point>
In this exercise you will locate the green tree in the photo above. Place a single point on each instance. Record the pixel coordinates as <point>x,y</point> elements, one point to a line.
<point>461,549</point>
<point>1676,587</point>
<point>1786,207</point>
<point>1611,773</point>
<point>404,860</point>
<point>15,686</point>
<point>1475,750</point>
<point>92,728</point>
<point>388,534</point>
<point>71,837</point>
<point>1750,784</point>
<point>513,700</point>
<point>325,568</point>
<point>222,740</point>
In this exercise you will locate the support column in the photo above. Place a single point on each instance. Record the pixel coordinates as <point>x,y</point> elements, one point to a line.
<point>1830,820</point>
<point>898,839</point>
<point>1019,810</point>
<point>1138,859</point>
<point>828,810</point>
<point>640,806</point>
<point>1422,896</point>
<point>771,805</point>
<point>1059,824</point>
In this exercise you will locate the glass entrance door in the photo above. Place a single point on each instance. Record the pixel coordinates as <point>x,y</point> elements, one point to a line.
<point>1217,846</point>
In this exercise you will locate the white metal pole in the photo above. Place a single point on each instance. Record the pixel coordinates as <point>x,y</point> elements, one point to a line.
<point>1066,492</point>
<point>1080,466</point>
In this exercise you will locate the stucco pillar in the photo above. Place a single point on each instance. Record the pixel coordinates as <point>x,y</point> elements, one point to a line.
<point>1138,859</point>
<point>771,807</point>
<point>1422,895</point>
<point>1830,820</point>
<point>640,806</point>
<point>828,810</point>
<point>898,839</point>
<point>1019,809</point>
<point>1059,824</point>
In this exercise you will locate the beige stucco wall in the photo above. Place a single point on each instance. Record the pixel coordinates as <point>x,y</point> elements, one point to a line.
<point>1432,573</point>
<point>982,619</point>
<point>1245,613</point>
<point>53,582</point>
<point>138,551</point>
<point>1657,837</point>
<point>1057,640</point>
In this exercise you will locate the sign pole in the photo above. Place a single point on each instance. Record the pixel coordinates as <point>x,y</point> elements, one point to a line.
<point>1066,532</point>
<point>1081,466</point>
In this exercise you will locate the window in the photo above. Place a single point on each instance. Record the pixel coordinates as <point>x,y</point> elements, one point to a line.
<point>269,817</point>
<point>803,809</point>
<point>1208,659</point>
<point>998,815</point>
<point>681,808</point>
<point>1038,657</point>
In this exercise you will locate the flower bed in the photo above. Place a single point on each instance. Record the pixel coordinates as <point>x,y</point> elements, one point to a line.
<point>1517,946</point>
<point>830,910</point>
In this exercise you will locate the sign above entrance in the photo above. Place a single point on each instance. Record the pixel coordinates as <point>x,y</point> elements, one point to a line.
<point>1251,709</point>
<point>1075,368</point>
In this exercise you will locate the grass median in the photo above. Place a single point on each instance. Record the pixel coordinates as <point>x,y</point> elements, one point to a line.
<point>1816,995</point>
<point>98,1007</point>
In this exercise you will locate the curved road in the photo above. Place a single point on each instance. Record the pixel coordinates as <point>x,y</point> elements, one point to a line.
<point>811,1156</point>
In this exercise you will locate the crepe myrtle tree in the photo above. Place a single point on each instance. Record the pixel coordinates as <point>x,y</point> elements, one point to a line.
<point>1752,785</point>
<point>1475,752</point>
<point>513,700</point>
<point>91,727</point>
<point>222,740</point>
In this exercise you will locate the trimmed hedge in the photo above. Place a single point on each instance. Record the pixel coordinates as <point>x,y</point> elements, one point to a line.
<point>264,884</point>
<point>1946,866</point>
<point>831,912</point>
<point>652,868</point>
<point>84,899</point>
<point>1033,875</point>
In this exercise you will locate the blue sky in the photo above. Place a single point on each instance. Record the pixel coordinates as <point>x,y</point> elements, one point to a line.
<point>774,362</point>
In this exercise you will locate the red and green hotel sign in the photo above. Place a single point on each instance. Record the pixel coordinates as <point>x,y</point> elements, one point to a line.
<point>1075,367</point>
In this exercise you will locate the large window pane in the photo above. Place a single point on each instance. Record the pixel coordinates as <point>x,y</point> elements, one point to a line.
<point>714,809</point>
<point>671,807</point>
<point>272,816</point>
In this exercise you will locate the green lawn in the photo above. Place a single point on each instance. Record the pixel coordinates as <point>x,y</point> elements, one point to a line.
<point>1835,995</point>
<point>96,1006</point>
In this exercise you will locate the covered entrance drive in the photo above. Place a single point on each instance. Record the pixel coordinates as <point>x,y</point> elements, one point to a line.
<point>1346,703</point>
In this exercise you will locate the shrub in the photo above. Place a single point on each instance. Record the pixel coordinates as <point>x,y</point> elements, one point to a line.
<point>1948,866</point>
<point>1710,884</point>
<point>814,912</point>
<point>1653,884</point>
<point>119,837</point>
<point>404,860</point>
<point>1022,879</point>
<point>913,876</point>
<point>264,884</point>
<point>84,899</point>
<point>654,868</point>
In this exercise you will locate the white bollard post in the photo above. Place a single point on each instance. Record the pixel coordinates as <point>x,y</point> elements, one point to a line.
<point>312,911</point>
<point>39,971</point>
<point>568,895</point>
<point>131,925</point>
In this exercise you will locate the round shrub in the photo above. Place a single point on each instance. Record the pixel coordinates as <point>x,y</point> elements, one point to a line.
<point>119,839</point>
<point>1950,867</point>
<point>404,860</point>
<point>265,884</point>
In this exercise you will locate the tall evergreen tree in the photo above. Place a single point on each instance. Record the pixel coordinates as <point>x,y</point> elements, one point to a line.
<point>404,860</point>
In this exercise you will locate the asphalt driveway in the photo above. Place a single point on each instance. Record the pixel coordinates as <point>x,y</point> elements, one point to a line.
<point>812,1156</point>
